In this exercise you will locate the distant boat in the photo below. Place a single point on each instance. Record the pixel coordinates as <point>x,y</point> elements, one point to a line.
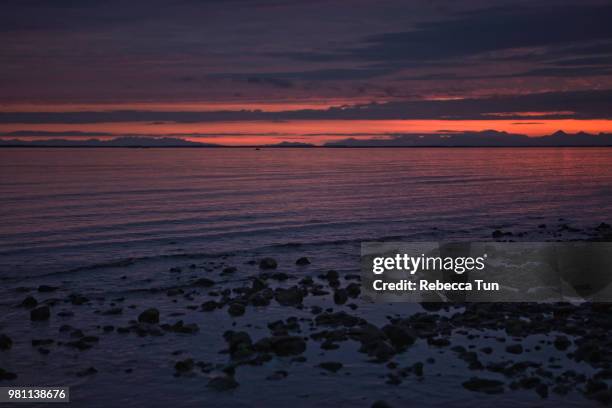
<point>257,148</point>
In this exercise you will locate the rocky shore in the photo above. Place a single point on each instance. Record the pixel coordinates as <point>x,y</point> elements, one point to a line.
<point>493,343</point>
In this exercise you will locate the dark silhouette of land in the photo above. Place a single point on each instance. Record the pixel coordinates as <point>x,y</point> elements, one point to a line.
<point>486,138</point>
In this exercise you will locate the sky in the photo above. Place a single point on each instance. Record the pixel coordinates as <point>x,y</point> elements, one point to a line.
<point>266,71</point>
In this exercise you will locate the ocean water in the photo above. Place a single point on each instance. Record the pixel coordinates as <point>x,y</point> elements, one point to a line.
<point>117,226</point>
<point>62,209</point>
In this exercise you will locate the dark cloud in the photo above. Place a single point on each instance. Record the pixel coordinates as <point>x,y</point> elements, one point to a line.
<point>484,31</point>
<point>582,105</point>
<point>214,50</point>
<point>37,133</point>
<point>270,80</point>
<point>559,72</point>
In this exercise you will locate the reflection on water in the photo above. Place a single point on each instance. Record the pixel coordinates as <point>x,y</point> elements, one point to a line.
<point>64,208</point>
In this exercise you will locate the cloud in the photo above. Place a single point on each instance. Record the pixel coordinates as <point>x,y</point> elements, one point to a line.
<point>596,104</point>
<point>41,133</point>
<point>481,32</point>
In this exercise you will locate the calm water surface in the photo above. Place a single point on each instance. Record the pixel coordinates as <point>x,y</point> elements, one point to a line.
<point>70,216</point>
<point>68,208</point>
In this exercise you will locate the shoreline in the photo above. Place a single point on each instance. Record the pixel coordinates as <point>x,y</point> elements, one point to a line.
<point>279,320</point>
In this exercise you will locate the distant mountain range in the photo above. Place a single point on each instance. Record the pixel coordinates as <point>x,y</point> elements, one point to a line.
<point>486,138</point>
<point>116,142</point>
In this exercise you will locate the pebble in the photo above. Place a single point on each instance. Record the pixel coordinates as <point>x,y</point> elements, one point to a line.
<point>40,313</point>
<point>150,316</point>
<point>5,342</point>
<point>268,263</point>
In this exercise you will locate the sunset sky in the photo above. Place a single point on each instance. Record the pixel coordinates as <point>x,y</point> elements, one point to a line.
<point>255,72</point>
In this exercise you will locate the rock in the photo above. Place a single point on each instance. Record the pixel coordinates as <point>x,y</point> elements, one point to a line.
<point>5,342</point>
<point>77,299</point>
<point>184,366</point>
<point>77,334</point>
<point>277,375</point>
<point>340,296</point>
<point>562,343</point>
<point>438,342</point>
<point>353,289</point>
<point>174,292</point>
<point>258,285</point>
<point>240,343</point>
<point>112,311</point>
<point>261,298</point>
<point>29,302</point>
<point>40,313</point>
<point>338,319</point>
<point>332,366</point>
<point>86,372</point>
<point>236,309</point>
<point>209,306</point>
<point>150,316</point>
<point>315,310</point>
<point>180,327</point>
<point>399,336</point>
<point>329,345</point>
<point>331,275</point>
<point>287,345</point>
<point>302,261</point>
<point>289,297</point>
<point>268,263</point>
<point>47,288</point>
<point>42,342</point>
<point>279,276</point>
<point>203,282</point>
<point>500,234</point>
<point>484,385</point>
<point>380,404</point>
<point>229,270</point>
<point>542,390</point>
<point>514,349</point>
<point>602,396</point>
<point>6,375</point>
<point>83,343</point>
<point>222,383</point>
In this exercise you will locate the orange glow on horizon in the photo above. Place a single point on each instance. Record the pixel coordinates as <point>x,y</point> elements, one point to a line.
<point>315,132</point>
